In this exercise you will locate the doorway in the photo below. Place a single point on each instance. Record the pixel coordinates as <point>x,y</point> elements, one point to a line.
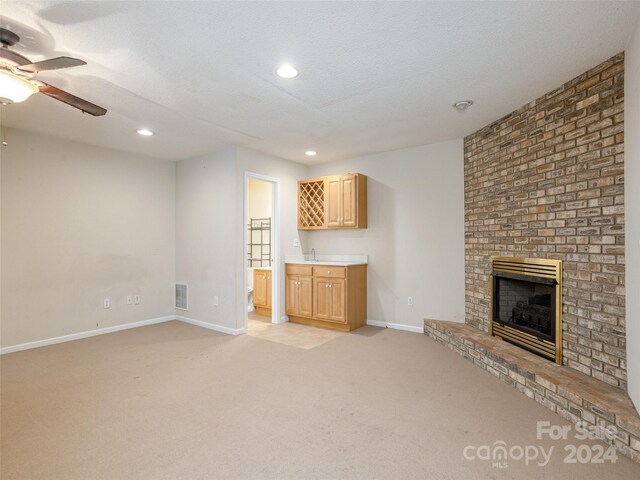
<point>261,252</point>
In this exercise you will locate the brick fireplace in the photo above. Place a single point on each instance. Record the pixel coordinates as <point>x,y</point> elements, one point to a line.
<point>546,181</point>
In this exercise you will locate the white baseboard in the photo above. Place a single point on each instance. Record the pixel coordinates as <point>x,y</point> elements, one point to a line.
<point>211,326</point>
<point>406,328</point>
<point>377,323</point>
<point>87,334</point>
<point>395,326</point>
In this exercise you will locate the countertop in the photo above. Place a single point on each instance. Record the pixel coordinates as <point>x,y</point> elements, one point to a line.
<point>331,260</point>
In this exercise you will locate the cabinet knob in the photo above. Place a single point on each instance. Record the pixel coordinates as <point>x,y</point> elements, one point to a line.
<point>326,285</point>
<point>328,271</point>
<point>330,286</point>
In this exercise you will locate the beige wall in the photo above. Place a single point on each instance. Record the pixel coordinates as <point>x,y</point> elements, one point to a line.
<point>415,239</point>
<point>205,236</point>
<point>632,215</point>
<point>260,198</point>
<point>210,230</point>
<point>80,224</point>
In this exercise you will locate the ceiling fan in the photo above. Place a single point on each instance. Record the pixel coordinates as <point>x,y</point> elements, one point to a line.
<point>17,72</point>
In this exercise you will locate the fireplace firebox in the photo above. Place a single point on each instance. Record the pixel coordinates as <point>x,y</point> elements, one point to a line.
<point>526,304</point>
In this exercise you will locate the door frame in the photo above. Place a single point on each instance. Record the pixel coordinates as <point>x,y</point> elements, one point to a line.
<point>275,227</point>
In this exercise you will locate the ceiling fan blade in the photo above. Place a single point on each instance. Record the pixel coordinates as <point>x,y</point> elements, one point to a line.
<point>77,102</point>
<point>52,64</point>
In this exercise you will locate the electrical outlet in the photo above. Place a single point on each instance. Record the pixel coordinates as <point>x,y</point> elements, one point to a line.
<point>106,303</point>
<point>136,299</point>
<point>129,299</point>
<point>296,242</point>
<point>215,301</point>
<point>410,301</point>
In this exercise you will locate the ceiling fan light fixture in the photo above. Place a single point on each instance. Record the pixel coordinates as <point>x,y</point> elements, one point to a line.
<point>14,88</point>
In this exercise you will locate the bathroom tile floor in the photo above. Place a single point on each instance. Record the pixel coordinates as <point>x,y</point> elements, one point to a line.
<point>292,334</point>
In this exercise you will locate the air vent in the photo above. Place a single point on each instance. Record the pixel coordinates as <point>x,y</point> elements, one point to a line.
<point>182,296</point>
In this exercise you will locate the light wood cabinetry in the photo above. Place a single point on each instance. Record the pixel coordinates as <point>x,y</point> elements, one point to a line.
<point>336,201</point>
<point>299,292</point>
<point>327,296</point>
<point>262,291</point>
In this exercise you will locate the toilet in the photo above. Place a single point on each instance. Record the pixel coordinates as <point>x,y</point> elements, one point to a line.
<point>250,307</point>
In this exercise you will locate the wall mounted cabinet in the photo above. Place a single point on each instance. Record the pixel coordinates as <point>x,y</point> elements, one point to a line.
<point>327,296</point>
<point>333,202</point>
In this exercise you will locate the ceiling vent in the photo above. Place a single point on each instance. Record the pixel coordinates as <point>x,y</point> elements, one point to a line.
<point>182,296</point>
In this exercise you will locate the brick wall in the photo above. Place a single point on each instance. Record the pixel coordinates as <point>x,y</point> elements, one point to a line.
<point>547,181</point>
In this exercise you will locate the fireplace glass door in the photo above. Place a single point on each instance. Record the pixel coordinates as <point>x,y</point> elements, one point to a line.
<point>526,305</point>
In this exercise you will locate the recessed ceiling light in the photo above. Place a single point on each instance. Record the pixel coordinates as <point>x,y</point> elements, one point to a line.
<point>310,153</point>
<point>287,71</point>
<point>463,104</point>
<point>145,132</point>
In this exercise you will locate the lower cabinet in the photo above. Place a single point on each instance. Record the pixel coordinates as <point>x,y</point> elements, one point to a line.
<point>329,299</point>
<point>327,296</point>
<point>262,291</point>
<point>298,295</point>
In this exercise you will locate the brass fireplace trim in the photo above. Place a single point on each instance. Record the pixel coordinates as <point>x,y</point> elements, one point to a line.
<point>535,267</point>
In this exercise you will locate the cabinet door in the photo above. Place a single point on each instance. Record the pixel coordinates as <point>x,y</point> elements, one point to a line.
<point>348,201</point>
<point>321,298</point>
<point>260,288</point>
<point>333,207</point>
<point>305,291</point>
<point>268,289</point>
<point>338,304</point>
<point>291,295</point>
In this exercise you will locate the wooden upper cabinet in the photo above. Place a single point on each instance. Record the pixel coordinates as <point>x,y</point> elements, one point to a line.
<point>336,201</point>
<point>311,204</point>
<point>349,201</point>
<point>333,201</point>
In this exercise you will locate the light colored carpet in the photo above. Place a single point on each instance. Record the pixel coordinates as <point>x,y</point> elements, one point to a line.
<point>292,334</point>
<point>174,401</point>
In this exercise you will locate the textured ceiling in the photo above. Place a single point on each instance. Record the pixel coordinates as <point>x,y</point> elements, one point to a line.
<point>375,76</point>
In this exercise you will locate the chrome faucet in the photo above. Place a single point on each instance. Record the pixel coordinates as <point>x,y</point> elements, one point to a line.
<point>313,250</point>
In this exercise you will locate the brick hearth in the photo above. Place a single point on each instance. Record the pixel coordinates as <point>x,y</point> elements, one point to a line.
<point>568,392</point>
